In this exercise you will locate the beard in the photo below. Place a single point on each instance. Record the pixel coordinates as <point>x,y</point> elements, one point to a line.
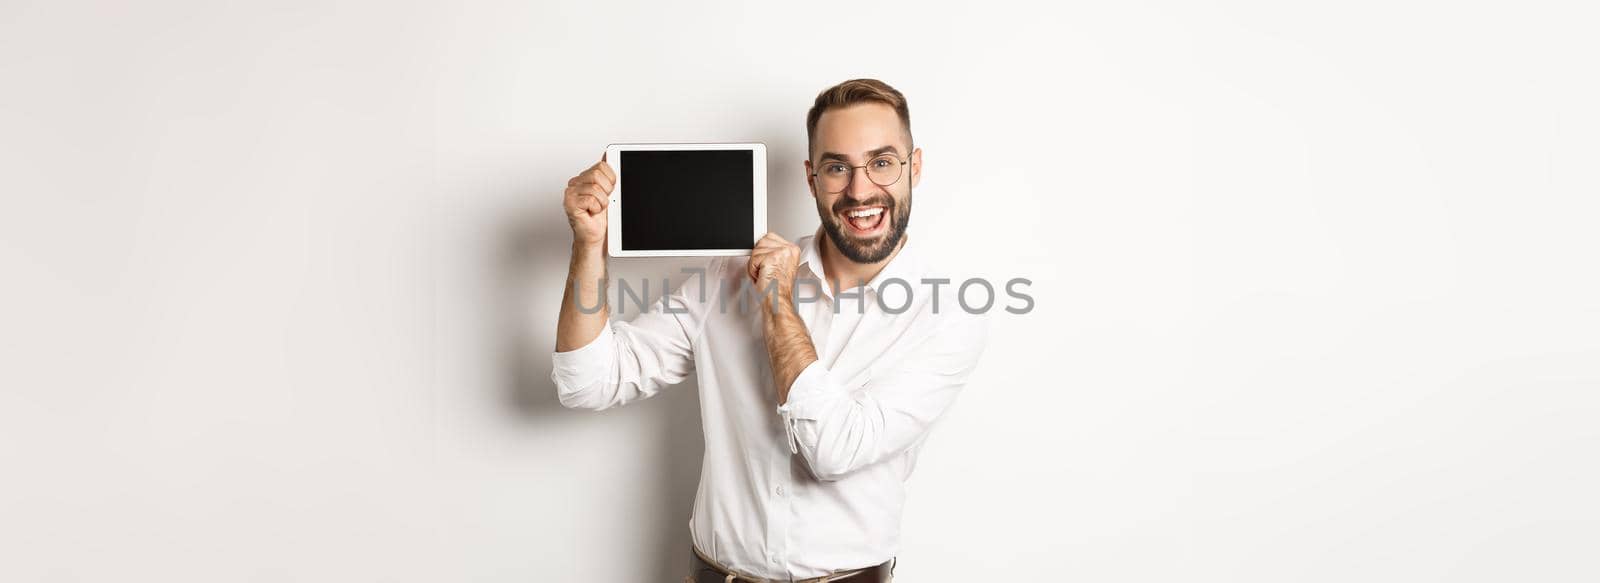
<point>867,250</point>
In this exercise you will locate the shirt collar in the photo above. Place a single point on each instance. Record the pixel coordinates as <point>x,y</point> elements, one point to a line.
<point>904,266</point>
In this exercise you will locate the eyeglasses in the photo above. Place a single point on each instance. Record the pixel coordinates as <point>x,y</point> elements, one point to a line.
<point>834,176</point>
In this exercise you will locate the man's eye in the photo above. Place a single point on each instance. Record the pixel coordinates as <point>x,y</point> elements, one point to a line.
<point>881,162</point>
<point>834,168</point>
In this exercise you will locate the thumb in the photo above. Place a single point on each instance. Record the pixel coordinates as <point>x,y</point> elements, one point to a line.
<point>754,269</point>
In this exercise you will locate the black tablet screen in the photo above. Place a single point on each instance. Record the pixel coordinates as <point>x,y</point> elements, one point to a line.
<point>687,199</point>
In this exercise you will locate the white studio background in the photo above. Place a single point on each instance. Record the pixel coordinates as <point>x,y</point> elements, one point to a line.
<point>1316,287</point>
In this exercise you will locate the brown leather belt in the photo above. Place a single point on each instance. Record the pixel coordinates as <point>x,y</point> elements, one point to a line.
<point>708,570</point>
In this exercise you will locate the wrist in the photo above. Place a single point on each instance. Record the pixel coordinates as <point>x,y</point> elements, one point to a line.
<point>586,249</point>
<point>781,302</point>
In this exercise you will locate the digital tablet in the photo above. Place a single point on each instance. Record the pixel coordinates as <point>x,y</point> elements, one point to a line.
<point>686,199</point>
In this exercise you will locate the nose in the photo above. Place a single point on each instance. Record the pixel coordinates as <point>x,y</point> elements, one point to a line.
<point>861,187</point>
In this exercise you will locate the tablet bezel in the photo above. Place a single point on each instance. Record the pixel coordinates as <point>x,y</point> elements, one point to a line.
<point>758,161</point>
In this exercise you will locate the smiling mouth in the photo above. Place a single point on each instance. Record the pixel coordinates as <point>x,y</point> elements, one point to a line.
<point>865,221</point>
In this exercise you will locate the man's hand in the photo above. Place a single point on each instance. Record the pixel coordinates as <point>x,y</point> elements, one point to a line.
<point>774,260</point>
<point>588,194</point>
<point>585,201</point>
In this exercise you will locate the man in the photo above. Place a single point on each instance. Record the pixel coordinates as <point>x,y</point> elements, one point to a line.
<point>816,396</point>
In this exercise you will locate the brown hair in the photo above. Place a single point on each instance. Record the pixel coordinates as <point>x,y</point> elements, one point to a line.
<point>852,92</point>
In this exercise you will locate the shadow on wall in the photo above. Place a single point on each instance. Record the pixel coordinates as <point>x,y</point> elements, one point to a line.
<point>532,255</point>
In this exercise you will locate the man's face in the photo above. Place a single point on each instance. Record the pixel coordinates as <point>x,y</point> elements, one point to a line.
<point>866,220</point>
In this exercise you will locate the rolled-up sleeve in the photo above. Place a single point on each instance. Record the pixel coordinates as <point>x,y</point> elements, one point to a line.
<point>839,429</point>
<point>633,360</point>
<point>584,367</point>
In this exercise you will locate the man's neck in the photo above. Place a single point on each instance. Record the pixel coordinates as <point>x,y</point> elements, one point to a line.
<point>848,273</point>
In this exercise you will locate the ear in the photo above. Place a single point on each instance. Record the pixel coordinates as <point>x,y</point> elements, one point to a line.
<point>916,167</point>
<point>811,181</point>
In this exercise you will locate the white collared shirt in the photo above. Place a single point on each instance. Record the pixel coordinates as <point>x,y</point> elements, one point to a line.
<point>817,484</point>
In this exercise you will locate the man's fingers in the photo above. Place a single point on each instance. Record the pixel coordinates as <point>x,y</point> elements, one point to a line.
<point>771,241</point>
<point>601,168</point>
<point>586,197</point>
<point>757,259</point>
<point>573,202</point>
<point>600,172</point>
<point>765,250</point>
<point>594,190</point>
<point>596,181</point>
<point>596,176</point>
<point>761,258</point>
<point>591,203</point>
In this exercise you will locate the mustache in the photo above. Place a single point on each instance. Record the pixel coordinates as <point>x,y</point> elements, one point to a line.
<point>880,200</point>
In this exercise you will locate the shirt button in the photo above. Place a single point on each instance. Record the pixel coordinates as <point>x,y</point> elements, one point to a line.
<point>780,490</point>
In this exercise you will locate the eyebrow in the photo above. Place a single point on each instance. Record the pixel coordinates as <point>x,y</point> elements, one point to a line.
<point>870,154</point>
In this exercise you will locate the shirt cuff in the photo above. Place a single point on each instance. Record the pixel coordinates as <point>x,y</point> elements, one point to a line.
<point>807,396</point>
<point>583,366</point>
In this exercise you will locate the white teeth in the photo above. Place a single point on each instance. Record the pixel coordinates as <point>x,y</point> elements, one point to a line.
<point>872,212</point>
